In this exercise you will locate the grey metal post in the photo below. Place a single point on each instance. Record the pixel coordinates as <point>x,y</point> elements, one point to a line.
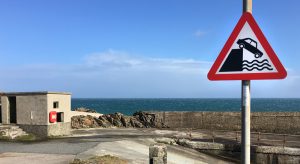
<point>246,109</point>
<point>247,6</point>
<point>246,122</point>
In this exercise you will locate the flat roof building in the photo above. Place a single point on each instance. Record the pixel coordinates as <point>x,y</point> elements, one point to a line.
<point>41,113</point>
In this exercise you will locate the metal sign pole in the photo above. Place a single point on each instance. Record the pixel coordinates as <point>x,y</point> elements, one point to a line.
<point>246,110</point>
<point>246,121</point>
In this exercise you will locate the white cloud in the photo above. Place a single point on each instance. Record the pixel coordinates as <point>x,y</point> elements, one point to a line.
<point>112,58</point>
<point>120,60</point>
<point>199,33</point>
<point>113,74</point>
<point>120,74</point>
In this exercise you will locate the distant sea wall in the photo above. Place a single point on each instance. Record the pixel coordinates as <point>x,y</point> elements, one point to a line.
<point>268,122</point>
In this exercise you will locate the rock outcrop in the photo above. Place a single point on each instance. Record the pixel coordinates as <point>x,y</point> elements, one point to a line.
<point>81,121</point>
<point>138,120</point>
<point>82,109</point>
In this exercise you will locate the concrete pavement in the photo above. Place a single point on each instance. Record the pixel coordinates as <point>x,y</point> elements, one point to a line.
<point>34,158</point>
<point>127,143</point>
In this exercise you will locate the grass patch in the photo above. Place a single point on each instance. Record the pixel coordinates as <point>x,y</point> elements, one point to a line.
<point>4,138</point>
<point>106,159</point>
<point>23,138</point>
<point>56,137</point>
<point>29,137</point>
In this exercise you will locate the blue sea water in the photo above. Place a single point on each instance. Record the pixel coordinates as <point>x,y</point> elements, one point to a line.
<point>129,106</point>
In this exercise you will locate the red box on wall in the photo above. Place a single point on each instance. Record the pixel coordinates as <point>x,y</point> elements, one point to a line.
<point>52,117</point>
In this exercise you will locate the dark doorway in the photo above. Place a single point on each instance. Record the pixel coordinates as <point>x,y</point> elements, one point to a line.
<point>12,109</point>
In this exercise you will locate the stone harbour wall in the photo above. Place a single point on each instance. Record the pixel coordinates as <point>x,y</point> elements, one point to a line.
<point>268,122</point>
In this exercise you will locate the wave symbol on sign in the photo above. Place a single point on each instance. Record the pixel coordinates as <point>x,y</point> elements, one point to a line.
<point>258,65</point>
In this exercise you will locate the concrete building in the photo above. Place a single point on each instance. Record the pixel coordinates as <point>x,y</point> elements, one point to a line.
<point>41,113</point>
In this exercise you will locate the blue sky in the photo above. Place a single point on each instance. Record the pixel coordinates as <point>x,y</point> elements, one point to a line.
<point>137,48</point>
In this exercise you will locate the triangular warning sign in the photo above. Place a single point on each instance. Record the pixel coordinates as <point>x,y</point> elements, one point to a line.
<point>247,55</point>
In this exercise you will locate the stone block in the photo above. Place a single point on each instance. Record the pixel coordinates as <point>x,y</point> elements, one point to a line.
<point>158,154</point>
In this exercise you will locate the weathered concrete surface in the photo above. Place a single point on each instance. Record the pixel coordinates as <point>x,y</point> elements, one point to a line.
<point>11,131</point>
<point>137,151</point>
<point>4,110</point>
<point>158,154</point>
<point>165,140</point>
<point>35,158</point>
<point>268,154</point>
<point>44,131</point>
<point>270,122</point>
<point>259,154</point>
<point>60,128</point>
<point>126,143</point>
<point>77,113</point>
<point>277,150</point>
<point>261,158</point>
<point>201,145</point>
<point>133,146</point>
<point>32,112</point>
<point>64,100</point>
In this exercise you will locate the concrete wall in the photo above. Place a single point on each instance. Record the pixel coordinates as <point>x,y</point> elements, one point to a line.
<point>271,122</point>
<point>59,129</point>
<point>32,110</point>
<point>33,114</point>
<point>44,131</point>
<point>5,110</point>
<point>64,106</point>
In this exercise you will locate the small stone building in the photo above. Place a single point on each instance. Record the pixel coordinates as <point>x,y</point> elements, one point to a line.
<point>41,113</point>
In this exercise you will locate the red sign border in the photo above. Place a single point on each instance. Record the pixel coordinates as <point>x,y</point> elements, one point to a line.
<point>247,17</point>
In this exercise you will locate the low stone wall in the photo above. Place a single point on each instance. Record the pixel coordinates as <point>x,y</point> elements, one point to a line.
<point>259,154</point>
<point>44,131</point>
<point>268,122</point>
<point>59,129</point>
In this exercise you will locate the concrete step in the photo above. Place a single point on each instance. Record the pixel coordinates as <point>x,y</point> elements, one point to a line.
<point>8,126</point>
<point>11,131</point>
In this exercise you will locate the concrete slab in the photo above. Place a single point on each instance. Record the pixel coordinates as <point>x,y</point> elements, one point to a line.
<point>77,113</point>
<point>35,158</point>
<point>136,151</point>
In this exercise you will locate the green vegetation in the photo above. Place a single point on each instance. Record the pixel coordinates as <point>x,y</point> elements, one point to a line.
<point>23,138</point>
<point>4,137</point>
<point>106,159</point>
<point>29,137</point>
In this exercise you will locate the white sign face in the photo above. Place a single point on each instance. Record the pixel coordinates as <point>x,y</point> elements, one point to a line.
<point>246,55</point>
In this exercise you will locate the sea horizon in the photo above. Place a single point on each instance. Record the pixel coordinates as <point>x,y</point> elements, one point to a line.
<point>130,105</point>
<point>181,98</point>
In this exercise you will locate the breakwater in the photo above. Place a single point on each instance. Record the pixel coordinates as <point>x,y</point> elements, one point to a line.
<point>268,122</point>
